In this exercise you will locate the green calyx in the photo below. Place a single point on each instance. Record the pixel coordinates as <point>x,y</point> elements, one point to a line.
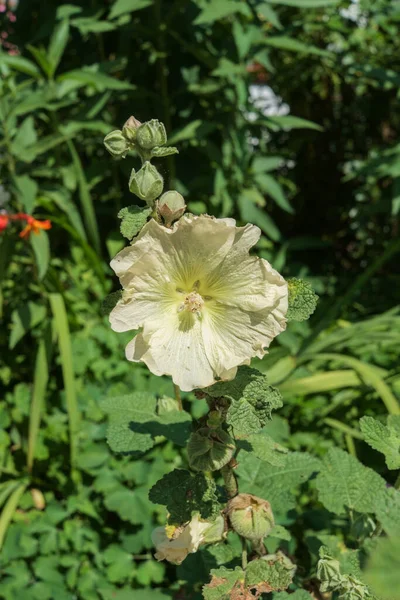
<point>150,135</point>
<point>147,183</point>
<point>210,449</point>
<point>302,300</point>
<point>116,144</point>
<point>250,516</point>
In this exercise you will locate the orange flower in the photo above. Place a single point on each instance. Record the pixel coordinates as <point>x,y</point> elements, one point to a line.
<point>34,225</point>
<point>3,222</point>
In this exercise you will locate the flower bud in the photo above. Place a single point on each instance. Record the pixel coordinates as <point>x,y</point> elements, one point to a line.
<point>147,183</point>
<point>210,449</point>
<point>130,128</point>
<point>250,517</point>
<point>116,144</point>
<point>328,572</point>
<point>171,206</point>
<point>151,134</point>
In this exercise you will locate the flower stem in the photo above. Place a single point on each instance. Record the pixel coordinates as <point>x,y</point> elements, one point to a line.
<point>231,485</point>
<point>178,396</point>
<point>244,553</point>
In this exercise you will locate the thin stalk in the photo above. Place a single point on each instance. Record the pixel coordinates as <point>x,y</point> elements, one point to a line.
<point>350,445</point>
<point>178,397</point>
<point>231,485</point>
<point>335,424</point>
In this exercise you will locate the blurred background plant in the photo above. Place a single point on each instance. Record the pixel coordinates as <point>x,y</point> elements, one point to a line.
<point>286,115</point>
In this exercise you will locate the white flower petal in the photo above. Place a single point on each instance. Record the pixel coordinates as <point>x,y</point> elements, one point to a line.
<point>203,305</point>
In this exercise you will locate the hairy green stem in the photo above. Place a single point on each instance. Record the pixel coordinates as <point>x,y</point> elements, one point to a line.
<point>231,485</point>
<point>244,553</point>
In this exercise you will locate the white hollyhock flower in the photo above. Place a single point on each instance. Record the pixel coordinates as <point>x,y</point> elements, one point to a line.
<point>203,305</point>
<point>175,543</point>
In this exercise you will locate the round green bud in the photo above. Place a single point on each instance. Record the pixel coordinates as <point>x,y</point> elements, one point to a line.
<point>147,183</point>
<point>250,516</point>
<point>171,206</point>
<point>210,449</point>
<point>151,134</point>
<point>116,144</point>
<point>130,128</point>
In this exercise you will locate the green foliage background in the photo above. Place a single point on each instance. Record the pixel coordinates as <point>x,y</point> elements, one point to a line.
<point>323,184</point>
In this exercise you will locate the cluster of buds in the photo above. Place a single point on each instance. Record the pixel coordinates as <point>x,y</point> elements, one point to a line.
<point>32,225</point>
<point>332,580</point>
<point>148,139</point>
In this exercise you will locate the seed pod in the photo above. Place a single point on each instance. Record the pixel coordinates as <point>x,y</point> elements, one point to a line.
<point>171,206</point>
<point>210,449</point>
<point>151,134</point>
<point>250,516</point>
<point>147,183</point>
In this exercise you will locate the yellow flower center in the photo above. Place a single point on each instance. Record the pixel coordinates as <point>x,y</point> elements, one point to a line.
<point>193,303</point>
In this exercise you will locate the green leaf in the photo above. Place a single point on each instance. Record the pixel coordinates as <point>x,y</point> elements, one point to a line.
<point>133,218</point>
<point>288,122</point>
<point>134,423</point>
<point>252,400</point>
<point>264,448</point>
<point>264,164</point>
<point>382,571</point>
<point>91,25</point>
<point>121,7</point>
<point>321,382</point>
<point>188,132</point>
<point>306,3</point>
<point>270,186</point>
<point>385,439</point>
<point>160,152</point>
<point>85,198</point>
<point>286,43</point>
<point>302,300</point>
<point>344,482</point>
<point>130,505</point>
<point>388,511</point>
<point>297,595</point>
<point>24,318</point>
<point>222,582</point>
<point>27,188</point>
<point>269,14</point>
<point>184,494</point>
<point>276,483</point>
<point>57,45</point>
<point>9,509</point>
<point>41,248</point>
<point>274,572</point>
<point>64,342</point>
<point>250,213</point>
<point>100,81</point>
<point>19,63</point>
<point>215,11</point>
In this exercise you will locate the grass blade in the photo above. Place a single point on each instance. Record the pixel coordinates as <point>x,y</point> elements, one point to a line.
<point>371,375</point>
<point>39,390</point>
<point>86,200</point>
<point>322,382</point>
<point>64,343</point>
<point>9,510</point>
